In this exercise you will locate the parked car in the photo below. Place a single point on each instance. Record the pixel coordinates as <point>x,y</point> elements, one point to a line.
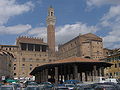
<point>116,86</point>
<point>17,86</point>
<point>30,83</point>
<point>46,85</point>
<point>7,87</point>
<point>61,88</point>
<point>83,87</point>
<point>70,86</point>
<point>32,87</point>
<point>105,87</point>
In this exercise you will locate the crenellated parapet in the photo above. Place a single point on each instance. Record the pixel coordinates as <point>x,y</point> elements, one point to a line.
<point>26,43</point>
<point>26,39</point>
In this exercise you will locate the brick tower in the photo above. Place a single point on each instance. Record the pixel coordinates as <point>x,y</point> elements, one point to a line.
<point>51,31</point>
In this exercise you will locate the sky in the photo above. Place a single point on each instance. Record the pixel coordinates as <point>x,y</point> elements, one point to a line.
<point>73,17</point>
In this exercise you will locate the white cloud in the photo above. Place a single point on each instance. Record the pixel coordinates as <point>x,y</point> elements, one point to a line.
<point>98,3</point>
<point>17,29</point>
<point>39,32</point>
<point>111,38</point>
<point>68,32</point>
<point>112,15</point>
<point>64,33</point>
<point>111,20</point>
<point>9,8</point>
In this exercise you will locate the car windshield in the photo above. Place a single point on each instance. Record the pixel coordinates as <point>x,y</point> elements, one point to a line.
<point>32,88</point>
<point>32,83</point>
<point>6,88</point>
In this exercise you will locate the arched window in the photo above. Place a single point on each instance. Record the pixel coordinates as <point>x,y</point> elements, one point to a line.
<point>51,13</point>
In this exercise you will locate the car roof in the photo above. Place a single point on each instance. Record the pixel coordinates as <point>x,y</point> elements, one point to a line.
<point>32,86</point>
<point>104,85</point>
<point>7,86</point>
<point>69,84</point>
<point>61,87</point>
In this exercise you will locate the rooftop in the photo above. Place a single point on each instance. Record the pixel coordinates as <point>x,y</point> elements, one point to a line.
<point>71,61</point>
<point>32,40</point>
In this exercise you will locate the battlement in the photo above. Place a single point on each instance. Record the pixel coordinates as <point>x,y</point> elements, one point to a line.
<point>32,40</point>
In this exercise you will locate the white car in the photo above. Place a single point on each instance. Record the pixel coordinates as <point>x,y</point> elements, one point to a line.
<point>70,86</point>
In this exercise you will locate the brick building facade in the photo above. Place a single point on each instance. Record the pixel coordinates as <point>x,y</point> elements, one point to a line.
<point>6,59</point>
<point>85,46</point>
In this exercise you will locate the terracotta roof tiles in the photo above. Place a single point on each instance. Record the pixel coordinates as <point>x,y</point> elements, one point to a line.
<point>76,59</point>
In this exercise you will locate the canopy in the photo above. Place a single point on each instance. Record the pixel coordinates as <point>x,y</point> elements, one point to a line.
<point>11,81</point>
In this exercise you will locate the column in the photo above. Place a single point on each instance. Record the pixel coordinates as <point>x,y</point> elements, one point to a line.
<point>94,72</point>
<point>52,74</point>
<point>80,76</point>
<point>102,71</point>
<point>68,73</point>
<point>42,76</point>
<point>56,75</point>
<point>75,72</point>
<point>46,75</point>
<point>40,48</point>
<point>35,77</point>
<point>83,76</point>
<point>65,73</point>
<point>26,46</point>
<point>61,74</point>
<point>86,77</point>
<point>38,75</point>
<point>33,47</point>
<point>89,76</point>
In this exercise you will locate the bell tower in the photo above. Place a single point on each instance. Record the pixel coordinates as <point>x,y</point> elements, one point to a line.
<point>51,31</point>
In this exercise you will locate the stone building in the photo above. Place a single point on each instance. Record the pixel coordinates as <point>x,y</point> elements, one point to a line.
<point>29,53</point>
<point>85,46</point>
<point>112,56</point>
<point>32,52</point>
<point>6,59</point>
<point>108,52</point>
